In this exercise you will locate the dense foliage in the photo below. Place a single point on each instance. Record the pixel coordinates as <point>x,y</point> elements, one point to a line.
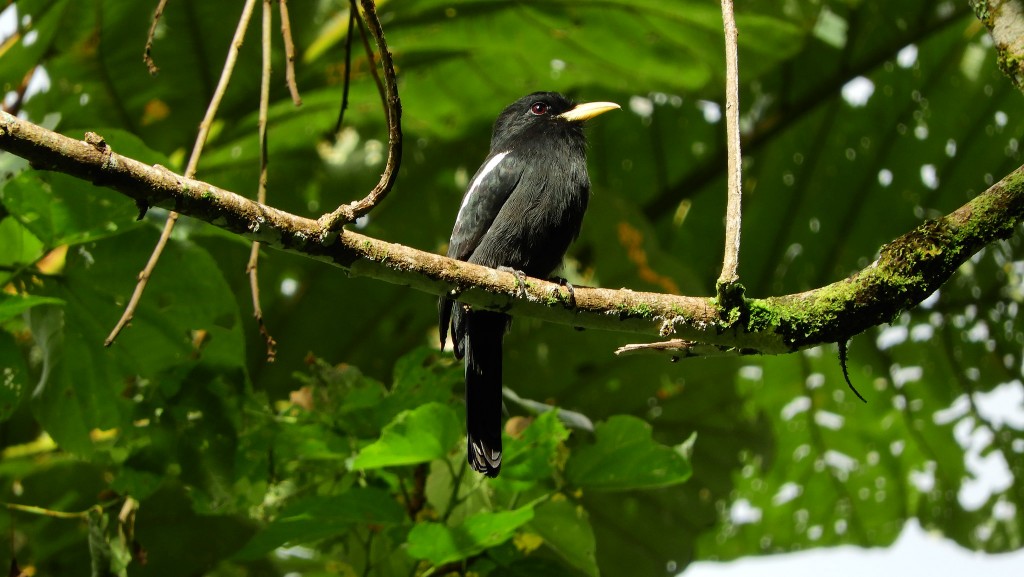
<point>186,453</point>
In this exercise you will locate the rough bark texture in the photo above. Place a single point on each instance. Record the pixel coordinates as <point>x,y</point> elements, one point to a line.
<point>1005,21</point>
<point>908,269</point>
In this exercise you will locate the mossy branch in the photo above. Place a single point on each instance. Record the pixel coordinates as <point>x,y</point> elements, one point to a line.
<point>908,269</point>
<point>1005,21</point>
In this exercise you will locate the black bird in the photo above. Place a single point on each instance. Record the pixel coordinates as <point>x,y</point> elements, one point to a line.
<point>521,211</point>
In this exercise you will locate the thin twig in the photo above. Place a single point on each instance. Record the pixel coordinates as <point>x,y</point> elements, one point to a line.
<point>190,170</point>
<point>381,90</point>
<point>19,93</point>
<point>348,68</point>
<point>844,348</point>
<point>453,497</point>
<point>34,510</point>
<point>732,123</point>
<point>140,287</point>
<point>261,194</point>
<point>346,213</point>
<point>289,51</point>
<point>126,524</point>
<point>147,56</point>
<point>368,552</point>
<point>677,349</point>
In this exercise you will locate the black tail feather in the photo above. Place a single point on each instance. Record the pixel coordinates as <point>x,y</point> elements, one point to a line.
<point>444,318</point>
<point>449,315</point>
<point>484,333</point>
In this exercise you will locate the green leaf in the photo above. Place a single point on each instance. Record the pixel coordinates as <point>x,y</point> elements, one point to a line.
<point>13,305</point>
<point>565,527</point>
<point>110,557</point>
<point>367,406</point>
<point>532,456</point>
<point>191,543</point>
<point>441,544</point>
<point>419,379</point>
<point>320,517</point>
<point>82,384</point>
<point>532,566</point>
<point>20,247</point>
<point>626,457</point>
<point>415,436</point>
<point>14,385</point>
<point>20,57</point>
<point>60,209</point>
<point>74,394</point>
<point>137,483</point>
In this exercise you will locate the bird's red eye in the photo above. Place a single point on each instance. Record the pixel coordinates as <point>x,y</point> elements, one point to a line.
<point>539,108</point>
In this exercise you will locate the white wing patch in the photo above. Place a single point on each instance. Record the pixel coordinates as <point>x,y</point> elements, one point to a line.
<point>491,165</point>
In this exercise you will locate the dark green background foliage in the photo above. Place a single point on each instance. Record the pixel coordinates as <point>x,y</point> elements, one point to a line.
<point>362,468</point>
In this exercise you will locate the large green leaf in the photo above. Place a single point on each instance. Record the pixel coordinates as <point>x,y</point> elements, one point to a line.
<point>12,306</point>
<point>82,383</point>
<point>21,248</point>
<point>626,457</point>
<point>565,528</point>
<point>440,544</point>
<point>14,378</point>
<point>534,453</point>
<point>58,209</point>
<point>319,517</point>
<point>415,436</point>
<point>76,391</point>
<point>20,57</point>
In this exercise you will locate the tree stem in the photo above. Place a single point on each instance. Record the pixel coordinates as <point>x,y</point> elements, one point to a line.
<point>733,216</point>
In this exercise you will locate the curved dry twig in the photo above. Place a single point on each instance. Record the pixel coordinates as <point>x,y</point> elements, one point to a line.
<point>330,223</point>
<point>348,68</point>
<point>289,52</point>
<point>147,56</point>
<point>251,268</point>
<point>681,349</point>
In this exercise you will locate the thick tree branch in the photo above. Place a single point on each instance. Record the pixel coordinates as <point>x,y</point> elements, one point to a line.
<point>906,272</point>
<point>1005,21</point>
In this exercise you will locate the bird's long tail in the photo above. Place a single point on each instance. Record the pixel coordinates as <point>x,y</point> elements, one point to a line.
<point>484,333</point>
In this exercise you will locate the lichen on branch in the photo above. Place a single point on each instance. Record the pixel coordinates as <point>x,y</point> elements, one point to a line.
<point>907,270</point>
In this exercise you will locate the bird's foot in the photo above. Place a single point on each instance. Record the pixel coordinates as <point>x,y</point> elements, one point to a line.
<point>520,278</point>
<point>568,287</point>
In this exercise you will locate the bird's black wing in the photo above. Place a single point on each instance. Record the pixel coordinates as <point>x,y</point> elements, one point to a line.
<point>487,192</point>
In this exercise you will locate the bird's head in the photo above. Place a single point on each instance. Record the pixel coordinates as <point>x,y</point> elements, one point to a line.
<point>543,113</point>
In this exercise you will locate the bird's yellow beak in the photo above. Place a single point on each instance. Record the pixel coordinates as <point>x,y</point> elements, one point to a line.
<point>588,110</point>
